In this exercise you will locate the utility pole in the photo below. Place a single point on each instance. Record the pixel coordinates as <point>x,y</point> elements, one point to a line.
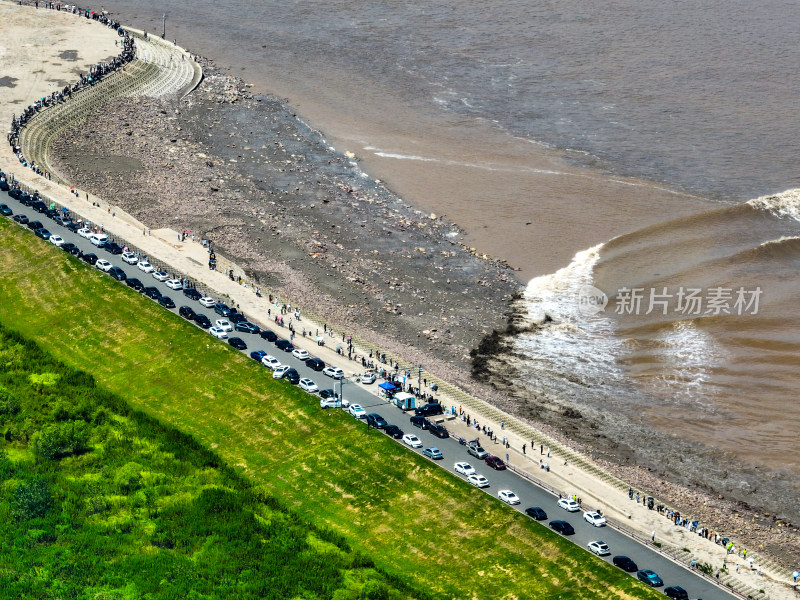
<point>164,31</point>
<point>341,390</point>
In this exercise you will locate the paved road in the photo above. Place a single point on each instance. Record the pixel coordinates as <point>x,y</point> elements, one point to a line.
<point>530,494</point>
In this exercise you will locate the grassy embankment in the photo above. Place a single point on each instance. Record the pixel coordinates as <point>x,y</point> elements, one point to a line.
<point>416,521</point>
<point>98,501</point>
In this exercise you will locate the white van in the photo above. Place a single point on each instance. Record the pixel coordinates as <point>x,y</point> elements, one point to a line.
<point>98,239</point>
<point>404,401</point>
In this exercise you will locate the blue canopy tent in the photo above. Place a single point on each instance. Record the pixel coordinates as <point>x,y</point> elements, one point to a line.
<point>388,386</point>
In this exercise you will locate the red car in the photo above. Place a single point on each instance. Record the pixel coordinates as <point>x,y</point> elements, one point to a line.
<point>495,463</point>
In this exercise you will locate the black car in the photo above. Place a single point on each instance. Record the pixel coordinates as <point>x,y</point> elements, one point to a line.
<point>152,292</point>
<point>438,430</point>
<point>39,206</point>
<point>70,248</point>
<point>237,343</point>
<point>429,410</point>
<point>135,284</point>
<point>117,273</point>
<point>562,527</point>
<point>315,363</point>
<point>89,258</point>
<point>112,248</point>
<point>202,320</point>
<point>21,219</point>
<point>166,302</point>
<point>293,376</point>
<point>34,225</point>
<point>187,312</point>
<point>16,193</point>
<point>51,213</point>
<point>236,317</point>
<point>625,563</point>
<point>42,233</point>
<point>4,210</point>
<point>4,185</point>
<point>420,422</point>
<point>536,512</point>
<point>73,227</point>
<point>377,421</point>
<point>222,309</point>
<point>393,431</point>
<point>324,394</point>
<point>284,345</point>
<point>268,335</point>
<point>192,293</point>
<point>247,327</point>
<point>676,592</point>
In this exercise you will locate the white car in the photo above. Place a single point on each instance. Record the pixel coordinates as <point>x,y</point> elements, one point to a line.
<point>207,301</point>
<point>130,258</point>
<point>360,413</point>
<point>57,240</point>
<point>410,439</point>
<point>84,233</point>
<point>308,385</point>
<point>568,504</point>
<point>103,265</point>
<point>368,377</point>
<point>594,518</point>
<point>332,402</point>
<point>464,468</point>
<point>218,333</point>
<point>508,497</point>
<point>145,266</point>
<point>300,353</point>
<point>224,325</point>
<point>160,276</point>
<point>334,372</point>
<point>478,480</point>
<point>280,372</point>
<point>271,362</point>
<point>599,547</point>
<point>175,284</point>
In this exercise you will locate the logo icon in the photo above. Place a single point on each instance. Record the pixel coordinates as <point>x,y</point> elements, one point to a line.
<point>591,301</point>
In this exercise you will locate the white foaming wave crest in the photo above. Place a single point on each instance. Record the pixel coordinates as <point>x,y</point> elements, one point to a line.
<point>455,163</point>
<point>572,348</point>
<point>557,294</point>
<point>785,204</point>
<point>779,241</point>
<point>405,157</point>
<point>687,356</point>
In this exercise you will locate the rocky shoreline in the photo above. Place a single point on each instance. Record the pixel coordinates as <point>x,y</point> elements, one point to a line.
<point>307,224</point>
<point>301,218</point>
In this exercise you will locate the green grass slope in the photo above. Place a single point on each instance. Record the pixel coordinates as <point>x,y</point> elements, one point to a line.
<point>98,501</point>
<point>415,520</point>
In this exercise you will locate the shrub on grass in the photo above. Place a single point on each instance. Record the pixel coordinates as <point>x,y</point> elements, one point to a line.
<point>8,404</point>
<point>61,439</point>
<point>32,500</point>
<point>129,477</point>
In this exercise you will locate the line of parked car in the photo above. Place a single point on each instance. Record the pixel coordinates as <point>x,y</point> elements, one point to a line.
<point>600,548</point>
<point>231,320</point>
